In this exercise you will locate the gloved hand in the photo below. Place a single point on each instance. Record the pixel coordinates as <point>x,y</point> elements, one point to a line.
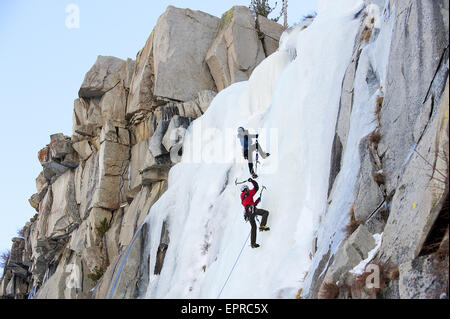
<point>250,180</point>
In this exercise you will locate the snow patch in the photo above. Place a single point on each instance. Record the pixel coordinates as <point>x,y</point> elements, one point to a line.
<point>361,267</point>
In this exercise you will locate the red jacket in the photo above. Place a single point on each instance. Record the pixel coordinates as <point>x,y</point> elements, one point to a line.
<point>247,197</point>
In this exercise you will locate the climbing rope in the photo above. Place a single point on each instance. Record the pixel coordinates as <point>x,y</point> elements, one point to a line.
<point>122,264</point>
<point>235,263</point>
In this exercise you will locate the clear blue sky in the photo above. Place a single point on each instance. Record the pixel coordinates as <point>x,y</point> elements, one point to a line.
<point>42,65</point>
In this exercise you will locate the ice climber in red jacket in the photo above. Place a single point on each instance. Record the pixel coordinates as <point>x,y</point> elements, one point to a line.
<point>251,211</point>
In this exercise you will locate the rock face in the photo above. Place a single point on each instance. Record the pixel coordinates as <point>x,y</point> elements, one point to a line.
<point>142,81</point>
<point>237,48</point>
<point>414,211</point>
<point>106,73</point>
<point>401,189</point>
<point>181,41</point>
<point>270,32</point>
<point>97,186</point>
<point>423,47</point>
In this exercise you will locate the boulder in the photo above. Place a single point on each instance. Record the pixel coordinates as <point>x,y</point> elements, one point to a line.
<point>346,258</point>
<point>270,32</point>
<point>83,149</point>
<point>139,154</point>
<point>16,253</point>
<point>176,131</point>
<point>142,82</point>
<point>236,50</point>
<point>142,163</point>
<point>54,169</point>
<point>198,106</point>
<point>123,136</point>
<point>142,130</point>
<point>108,194</point>
<point>41,225</point>
<point>87,117</point>
<point>113,158</point>
<point>60,146</point>
<point>89,182</point>
<point>181,41</point>
<point>154,175</point>
<point>351,252</point>
<point>115,134</point>
<point>368,195</point>
<point>362,240</point>
<point>71,160</point>
<point>57,157</point>
<point>113,171</point>
<point>44,155</point>
<point>205,99</point>
<point>156,147</point>
<point>113,104</point>
<point>189,109</point>
<point>106,73</point>
<point>112,244</point>
<point>41,185</point>
<point>34,201</point>
<point>64,216</point>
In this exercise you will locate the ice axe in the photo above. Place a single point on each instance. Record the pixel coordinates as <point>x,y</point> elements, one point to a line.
<point>262,190</point>
<point>239,183</point>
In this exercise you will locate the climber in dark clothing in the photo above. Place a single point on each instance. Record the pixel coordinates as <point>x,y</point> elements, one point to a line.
<point>251,211</point>
<point>249,148</point>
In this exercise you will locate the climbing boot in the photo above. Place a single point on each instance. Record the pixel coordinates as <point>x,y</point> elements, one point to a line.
<point>264,228</point>
<point>255,245</point>
<point>252,172</point>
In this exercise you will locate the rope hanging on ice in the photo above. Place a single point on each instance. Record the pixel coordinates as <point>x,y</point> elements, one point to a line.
<point>235,263</point>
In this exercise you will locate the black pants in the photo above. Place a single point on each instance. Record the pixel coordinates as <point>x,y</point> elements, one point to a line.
<point>257,212</point>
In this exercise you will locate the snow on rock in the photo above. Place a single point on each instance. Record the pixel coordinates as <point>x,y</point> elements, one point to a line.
<point>361,267</point>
